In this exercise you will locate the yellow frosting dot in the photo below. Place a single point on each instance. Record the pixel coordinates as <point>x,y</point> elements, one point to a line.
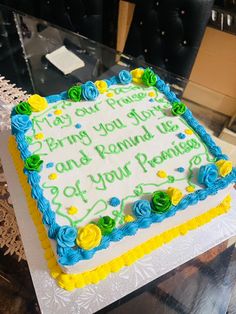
<point>39,136</point>
<point>52,176</point>
<point>58,112</point>
<point>72,210</point>
<point>161,174</point>
<point>190,188</point>
<point>152,94</point>
<point>128,218</point>
<point>110,94</point>
<point>188,132</point>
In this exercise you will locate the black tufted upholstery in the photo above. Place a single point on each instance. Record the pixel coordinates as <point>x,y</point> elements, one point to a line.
<point>95,19</point>
<point>83,16</point>
<point>168,33</point>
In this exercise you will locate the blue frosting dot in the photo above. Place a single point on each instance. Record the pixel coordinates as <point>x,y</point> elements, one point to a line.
<point>181,135</point>
<point>151,100</point>
<point>50,114</point>
<point>78,125</point>
<point>114,201</point>
<point>180,169</point>
<point>49,164</point>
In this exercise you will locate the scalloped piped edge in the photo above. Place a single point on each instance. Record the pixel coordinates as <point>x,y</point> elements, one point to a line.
<point>72,281</point>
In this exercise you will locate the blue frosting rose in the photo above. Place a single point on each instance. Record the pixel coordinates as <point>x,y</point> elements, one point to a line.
<point>160,85</point>
<point>20,123</point>
<point>124,77</point>
<point>66,236</point>
<point>142,208</point>
<point>207,175</point>
<point>112,81</point>
<point>89,91</point>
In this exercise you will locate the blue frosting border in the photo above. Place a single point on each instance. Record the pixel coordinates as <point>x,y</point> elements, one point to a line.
<point>70,256</point>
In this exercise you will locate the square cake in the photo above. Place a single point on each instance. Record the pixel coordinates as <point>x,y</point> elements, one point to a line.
<point>112,170</point>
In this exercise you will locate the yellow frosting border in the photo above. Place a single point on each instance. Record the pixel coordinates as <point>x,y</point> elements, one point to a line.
<point>73,281</point>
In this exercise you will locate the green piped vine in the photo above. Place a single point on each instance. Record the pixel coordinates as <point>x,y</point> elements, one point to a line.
<point>140,189</point>
<point>91,209</point>
<point>55,191</point>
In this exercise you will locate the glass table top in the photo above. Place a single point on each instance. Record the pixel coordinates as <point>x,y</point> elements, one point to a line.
<point>206,284</point>
<point>25,42</point>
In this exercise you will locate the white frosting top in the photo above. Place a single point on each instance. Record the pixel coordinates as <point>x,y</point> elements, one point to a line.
<point>112,147</point>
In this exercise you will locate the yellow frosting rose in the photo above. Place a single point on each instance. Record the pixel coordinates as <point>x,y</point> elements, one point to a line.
<point>137,75</point>
<point>37,103</point>
<point>89,237</point>
<point>101,86</point>
<point>175,195</point>
<point>224,167</point>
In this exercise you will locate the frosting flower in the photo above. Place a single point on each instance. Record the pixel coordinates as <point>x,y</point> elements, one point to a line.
<point>160,202</point>
<point>208,174</point>
<point>101,86</point>
<point>74,93</point>
<point>178,108</point>
<point>66,236</point>
<point>137,75</point>
<point>106,224</point>
<point>149,77</point>
<point>20,123</point>
<point>33,163</point>
<point>224,167</point>
<point>141,208</point>
<point>23,108</point>
<point>125,77</point>
<point>89,91</point>
<point>89,237</point>
<point>37,103</point>
<point>175,195</point>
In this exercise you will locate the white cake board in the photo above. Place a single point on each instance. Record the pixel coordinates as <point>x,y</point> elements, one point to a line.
<point>53,299</point>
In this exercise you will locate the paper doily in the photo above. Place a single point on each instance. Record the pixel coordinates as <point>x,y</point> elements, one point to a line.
<point>10,238</point>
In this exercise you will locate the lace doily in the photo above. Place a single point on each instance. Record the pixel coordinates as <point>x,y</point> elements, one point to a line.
<point>10,238</point>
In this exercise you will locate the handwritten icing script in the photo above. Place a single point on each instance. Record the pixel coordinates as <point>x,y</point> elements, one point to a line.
<point>110,147</point>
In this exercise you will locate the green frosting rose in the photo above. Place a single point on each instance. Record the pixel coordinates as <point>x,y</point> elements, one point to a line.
<point>178,108</point>
<point>33,163</point>
<point>74,93</point>
<point>160,202</point>
<point>23,108</point>
<point>149,77</point>
<point>106,224</point>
